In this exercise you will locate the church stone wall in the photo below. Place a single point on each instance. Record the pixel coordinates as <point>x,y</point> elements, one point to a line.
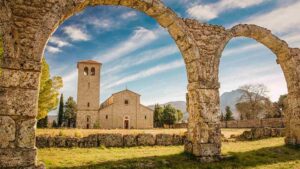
<point>106,123</point>
<point>145,118</point>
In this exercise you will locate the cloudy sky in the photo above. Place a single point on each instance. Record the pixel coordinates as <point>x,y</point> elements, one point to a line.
<point>136,52</point>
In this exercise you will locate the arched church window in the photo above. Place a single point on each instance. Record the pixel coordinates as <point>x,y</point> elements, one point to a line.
<point>86,71</point>
<point>145,117</point>
<point>106,116</point>
<point>88,104</point>
<point>93,71</point>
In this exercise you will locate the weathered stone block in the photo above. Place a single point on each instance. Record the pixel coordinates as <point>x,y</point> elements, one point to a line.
<point>129,140</point>
<point>72,142</point>
<point>17,158</point>
<point>156,9</point>
<point>89,141</point>
<point>59,141</point>
<point>177,139</point>
<point>164,139</point>
<point>204,150</point>
<point>18,101</point>
<point>7,132</point>
<point>111,140</point>
<point>19,78</point>
<point>145,140</point>
<point>20,63</point>
<point>167,18</point>
<point>26,134</point>
<point>41,142</point>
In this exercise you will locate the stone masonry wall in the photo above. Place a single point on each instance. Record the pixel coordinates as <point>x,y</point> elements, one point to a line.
<point>271,122</point>
<point>110,140</point>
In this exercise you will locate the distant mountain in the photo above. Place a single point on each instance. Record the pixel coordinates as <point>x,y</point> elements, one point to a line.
<point>180,105</point>
<point>231,99</point>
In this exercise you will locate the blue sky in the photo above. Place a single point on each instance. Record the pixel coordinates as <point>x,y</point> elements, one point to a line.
<point>136,52</point>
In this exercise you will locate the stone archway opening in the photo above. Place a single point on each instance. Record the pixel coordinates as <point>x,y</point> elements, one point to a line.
<point>248,64</point>
<point>287,58</point>
<point>24,48</point>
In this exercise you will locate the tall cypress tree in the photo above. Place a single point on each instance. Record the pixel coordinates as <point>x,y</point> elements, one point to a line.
<point>61,111</point>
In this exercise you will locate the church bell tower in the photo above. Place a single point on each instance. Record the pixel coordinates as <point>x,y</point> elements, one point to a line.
<point>88,93</point>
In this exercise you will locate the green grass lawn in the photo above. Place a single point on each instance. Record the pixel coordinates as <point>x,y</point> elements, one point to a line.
<point>264,154</point>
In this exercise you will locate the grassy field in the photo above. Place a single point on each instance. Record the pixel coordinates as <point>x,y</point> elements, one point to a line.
<point>85,132</point>
<point>263,154</point>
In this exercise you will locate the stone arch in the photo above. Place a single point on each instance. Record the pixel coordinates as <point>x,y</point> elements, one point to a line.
<point>288,59</point>
<point>27,26</point>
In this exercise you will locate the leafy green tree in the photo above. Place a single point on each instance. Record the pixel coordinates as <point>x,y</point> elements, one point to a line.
<point>179,115</point>
<point>60,117</point>
<point>49,91</point>
<point>228,115</point>
<point>283,104</point>
<point>251,104</point>
<point>158,116</point>
<point>70,112</point>
<point>169,115</point>
<point>43,123</point>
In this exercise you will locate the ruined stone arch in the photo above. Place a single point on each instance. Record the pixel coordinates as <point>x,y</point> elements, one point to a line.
<point>26,26</point>
<point>288,59</point>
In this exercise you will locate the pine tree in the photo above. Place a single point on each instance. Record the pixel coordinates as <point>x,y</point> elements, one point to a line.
<point>169,115</point>
<point>70,112</point>
<point>54,124</point>
<point>228,115</point>
<point>60,111</point>
<point>43,123</point>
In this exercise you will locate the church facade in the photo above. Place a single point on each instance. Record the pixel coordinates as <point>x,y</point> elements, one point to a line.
<point>122,110</point>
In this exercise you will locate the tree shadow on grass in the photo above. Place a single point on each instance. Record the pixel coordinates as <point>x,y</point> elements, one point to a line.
<point>252,159</point>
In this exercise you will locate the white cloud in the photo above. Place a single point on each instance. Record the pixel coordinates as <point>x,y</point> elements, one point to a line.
<point>146,73</point>
<point>281,20</point>
<point>211,11</point>
<point>129,15</point>
<point>102,23</point>
<point>141,58</point>
<point>140,38</point>
<point>52,49</point>
<point>76,34</point>
<point>58,42</point>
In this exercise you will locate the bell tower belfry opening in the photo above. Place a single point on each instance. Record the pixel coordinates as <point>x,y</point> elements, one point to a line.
<point>88,92</point>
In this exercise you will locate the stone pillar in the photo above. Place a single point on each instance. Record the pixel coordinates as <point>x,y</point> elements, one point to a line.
<point>19,82</point>
<point>203,102</point>
<point>18,100</point>
<point>293,120</point>
<point>292,116</point>
<point>204,133</point>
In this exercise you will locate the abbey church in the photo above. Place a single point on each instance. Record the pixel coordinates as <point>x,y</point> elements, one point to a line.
<point>122,110</point>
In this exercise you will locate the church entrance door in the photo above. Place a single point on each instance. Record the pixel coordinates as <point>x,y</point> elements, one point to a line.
<point>126,124</point>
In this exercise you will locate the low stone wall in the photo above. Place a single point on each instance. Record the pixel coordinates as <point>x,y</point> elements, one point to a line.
<point>271,122</point>
<point>259,133</point>
<point>110,140</point>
